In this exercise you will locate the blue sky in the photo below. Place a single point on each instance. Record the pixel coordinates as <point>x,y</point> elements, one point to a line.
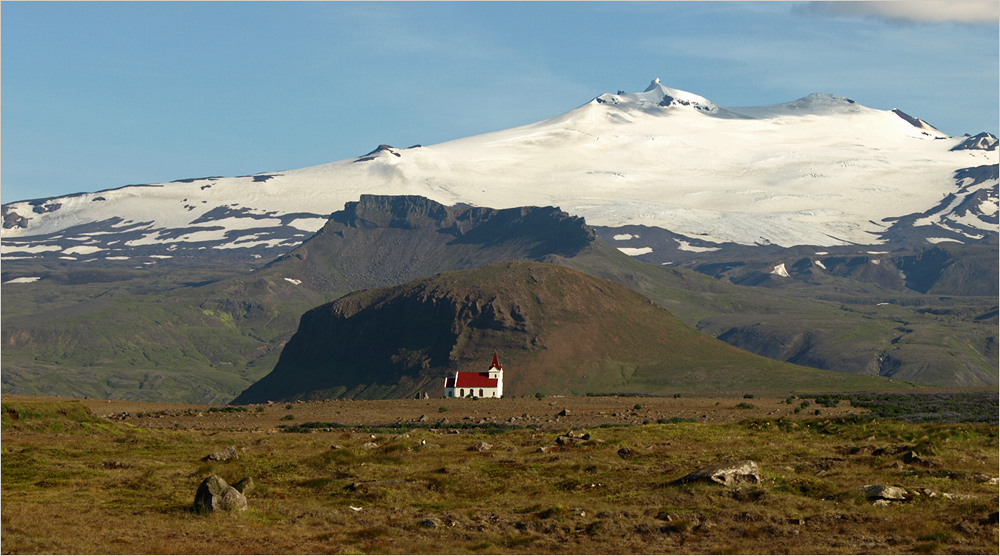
<point>99,95</point>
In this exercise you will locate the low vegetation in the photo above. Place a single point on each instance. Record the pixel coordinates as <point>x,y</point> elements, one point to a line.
<point>76,482</point>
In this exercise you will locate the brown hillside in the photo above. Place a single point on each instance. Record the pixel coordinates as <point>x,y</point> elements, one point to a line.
<point>558,331</point>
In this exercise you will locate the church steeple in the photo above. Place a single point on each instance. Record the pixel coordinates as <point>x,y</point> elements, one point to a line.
<point>496,363</point>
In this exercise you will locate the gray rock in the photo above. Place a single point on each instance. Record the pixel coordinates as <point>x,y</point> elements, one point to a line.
<point>431,523</point>
<point>984,478</point>
<point>244,485</point>
<point>625,453</point>
<point>369,446</point>
<point>563,413</point>
<point>728,474</point>
<point>883,492</point>
<point>482,447</point>
<point>223,455</point>
<point>215,494</point>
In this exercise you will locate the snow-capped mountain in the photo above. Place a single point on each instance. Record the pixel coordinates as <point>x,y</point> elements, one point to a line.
<point>822,170</point>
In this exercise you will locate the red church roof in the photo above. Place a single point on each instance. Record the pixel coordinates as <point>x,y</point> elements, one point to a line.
<point>471,380</point>
<point>496,362</point>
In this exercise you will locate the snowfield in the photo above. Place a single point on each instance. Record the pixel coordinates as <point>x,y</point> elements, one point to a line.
<point>822,170</point>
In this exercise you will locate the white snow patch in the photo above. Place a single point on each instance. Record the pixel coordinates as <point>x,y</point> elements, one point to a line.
<point>878,252</point>
<point>937,240</point>
<point>294,281</point>
<point>207,235</point>
<point>116,258</point>
<point>635,251</point>
<point>822,253</point>
<point>819,264</point>
<point>8,248</point>
<point>780,270</point>
<point>624,237</point>
<point>82,250</point>
<point>24,280</point>
<point>938,216</point>
<point>308,224</point>
<point>876,261</point>
<point>685,246</point>
<point>161,256</point>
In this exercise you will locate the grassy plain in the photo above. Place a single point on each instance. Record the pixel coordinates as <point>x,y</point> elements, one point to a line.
<point>89,476</point>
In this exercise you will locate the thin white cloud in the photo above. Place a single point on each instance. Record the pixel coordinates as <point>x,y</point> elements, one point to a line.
<point>921,11</point>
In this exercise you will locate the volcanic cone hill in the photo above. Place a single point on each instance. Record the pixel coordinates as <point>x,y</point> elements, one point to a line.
<point>558,331</point>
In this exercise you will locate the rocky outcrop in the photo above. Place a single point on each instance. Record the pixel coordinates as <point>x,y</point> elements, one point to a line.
<point>882,495</point>
<point>229,453</point>
<point>215,494</point>
<point>728,474</point>
<point>979,142</point>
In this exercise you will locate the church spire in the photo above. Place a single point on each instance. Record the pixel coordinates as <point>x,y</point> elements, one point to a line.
<point>496,363</point>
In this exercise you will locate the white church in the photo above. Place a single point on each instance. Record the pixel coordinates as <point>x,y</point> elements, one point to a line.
<point>476,385</point>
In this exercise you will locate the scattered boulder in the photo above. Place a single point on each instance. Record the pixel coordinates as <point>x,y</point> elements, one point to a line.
<point>369,446</point>
<point>481,447</point>
<point>572,438</point>
<point>115,464</point>
<point>875,493</point>
<point>984,478</point>
<point>215,494</point>
<point>223,455</point>
<point>728,474</point>
<point>431,523</point>
<point>625,453</point>
<point>913,458</point>
<point>563,413</point>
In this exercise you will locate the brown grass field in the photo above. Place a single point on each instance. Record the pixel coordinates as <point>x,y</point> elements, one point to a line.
<point>389,477</point>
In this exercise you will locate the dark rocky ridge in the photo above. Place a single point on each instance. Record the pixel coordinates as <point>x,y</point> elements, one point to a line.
<point>383,240</point>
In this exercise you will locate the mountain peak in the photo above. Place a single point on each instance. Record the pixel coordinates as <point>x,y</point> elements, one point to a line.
<point>658,95</point>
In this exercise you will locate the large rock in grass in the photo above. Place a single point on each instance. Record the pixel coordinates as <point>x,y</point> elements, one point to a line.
<point>215,494</point>
<point>229,453</point>
<point>876,493</point>
<point>727,474</point>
